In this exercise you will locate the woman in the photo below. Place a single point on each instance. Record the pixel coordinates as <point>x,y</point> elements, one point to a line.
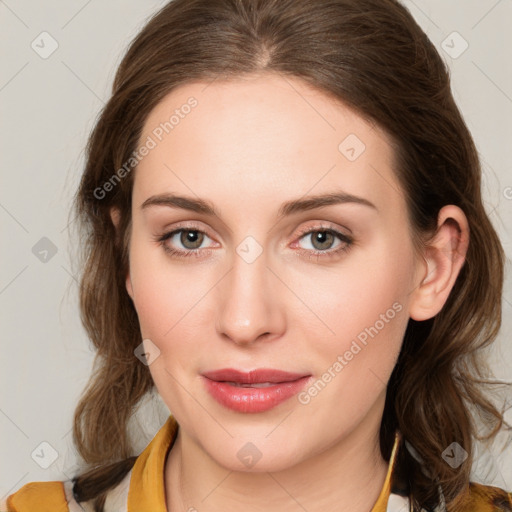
<point>286,238</point>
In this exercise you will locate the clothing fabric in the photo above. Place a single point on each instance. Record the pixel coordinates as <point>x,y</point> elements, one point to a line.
<point>142,489</point>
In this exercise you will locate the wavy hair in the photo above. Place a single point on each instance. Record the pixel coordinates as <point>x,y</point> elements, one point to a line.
<point>374,57</point>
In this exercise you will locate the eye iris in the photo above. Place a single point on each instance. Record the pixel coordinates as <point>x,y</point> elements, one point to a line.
<point>194,237</point>
<point>191,236</point>
<point>322,236</point>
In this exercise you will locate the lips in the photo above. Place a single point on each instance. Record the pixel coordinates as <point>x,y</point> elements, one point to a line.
<point>254,391</point>
<point>260,376</point>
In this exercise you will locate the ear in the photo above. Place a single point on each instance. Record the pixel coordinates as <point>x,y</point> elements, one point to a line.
<point>115,216</point>
<point>443,258</point>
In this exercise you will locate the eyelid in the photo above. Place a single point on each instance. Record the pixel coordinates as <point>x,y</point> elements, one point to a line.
<point>319,226</point>
<point>168,233</point>
<point>346,240</point>
<point>186,225</point>
<point>324,225</point>
<point>311,228</point>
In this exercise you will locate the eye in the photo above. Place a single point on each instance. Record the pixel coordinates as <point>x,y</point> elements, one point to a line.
<point>322,240</point>
<point>190,239</point>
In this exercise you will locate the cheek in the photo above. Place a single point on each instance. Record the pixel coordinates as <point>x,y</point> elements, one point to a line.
<point>366,309</point>
<point>363,307</point>
<point>354,295</point>
<point>164,298</point>
<point>159,292</point>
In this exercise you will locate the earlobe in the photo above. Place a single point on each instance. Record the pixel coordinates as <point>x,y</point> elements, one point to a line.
<point>443,258</point>
<point>115,216</point>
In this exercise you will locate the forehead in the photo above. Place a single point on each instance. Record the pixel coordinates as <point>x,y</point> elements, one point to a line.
<point>252,136</point>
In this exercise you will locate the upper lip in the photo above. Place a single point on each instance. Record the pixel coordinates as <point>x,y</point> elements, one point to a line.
<point>252,377</point>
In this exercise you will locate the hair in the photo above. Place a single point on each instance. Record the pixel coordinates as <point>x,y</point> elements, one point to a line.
<point>374,57</point>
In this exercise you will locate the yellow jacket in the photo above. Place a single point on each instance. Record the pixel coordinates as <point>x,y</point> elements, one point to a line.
<point>142,490</point>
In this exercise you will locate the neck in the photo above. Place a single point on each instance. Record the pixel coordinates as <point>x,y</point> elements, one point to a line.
<point>346,477</point>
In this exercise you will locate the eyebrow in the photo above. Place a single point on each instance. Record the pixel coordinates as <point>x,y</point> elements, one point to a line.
<point>288,208</point>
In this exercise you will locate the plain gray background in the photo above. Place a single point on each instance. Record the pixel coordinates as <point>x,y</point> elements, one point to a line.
<point>48,106</point>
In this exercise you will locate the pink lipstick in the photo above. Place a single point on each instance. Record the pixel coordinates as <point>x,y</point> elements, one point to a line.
<point>253,391</point>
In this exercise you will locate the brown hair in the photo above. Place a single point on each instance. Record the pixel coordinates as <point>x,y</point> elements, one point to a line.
<point>374,57</point>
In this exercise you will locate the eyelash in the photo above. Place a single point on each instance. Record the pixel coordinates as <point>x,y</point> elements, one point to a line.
<point>346,240</point>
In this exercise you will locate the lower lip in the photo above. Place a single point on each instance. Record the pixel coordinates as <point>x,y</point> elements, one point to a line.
<point>252,400</point>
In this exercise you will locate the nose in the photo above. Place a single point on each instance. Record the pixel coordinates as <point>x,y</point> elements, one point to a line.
<point>249,307</point>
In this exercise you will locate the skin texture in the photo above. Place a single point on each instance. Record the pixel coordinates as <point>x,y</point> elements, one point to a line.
<point>248,146</point>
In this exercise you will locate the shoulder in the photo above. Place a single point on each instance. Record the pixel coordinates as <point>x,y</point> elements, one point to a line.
<point>486,498</point>
<point>44,497</point>
<point>58,497</point>
<point>41,496</point>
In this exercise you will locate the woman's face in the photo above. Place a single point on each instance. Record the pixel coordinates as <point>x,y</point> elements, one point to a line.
<point>262,283</point>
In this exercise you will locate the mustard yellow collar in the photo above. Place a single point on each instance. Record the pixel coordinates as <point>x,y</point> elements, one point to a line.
<point>147,486</point>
